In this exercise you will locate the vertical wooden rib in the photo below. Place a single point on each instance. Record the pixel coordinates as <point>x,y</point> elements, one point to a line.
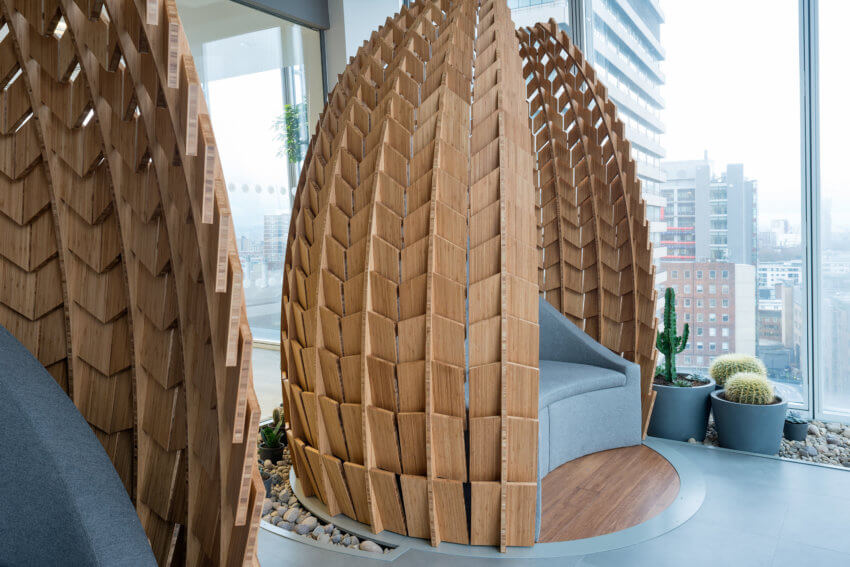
<point>503,330</point>
<point>433,294</point>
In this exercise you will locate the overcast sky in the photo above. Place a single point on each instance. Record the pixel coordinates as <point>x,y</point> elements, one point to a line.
<point>733,89</point>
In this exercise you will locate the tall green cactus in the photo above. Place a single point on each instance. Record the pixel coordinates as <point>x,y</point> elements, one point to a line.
<point>667,341</point>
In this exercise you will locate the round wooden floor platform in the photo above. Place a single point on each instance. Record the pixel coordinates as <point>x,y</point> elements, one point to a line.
<point>606,492</point>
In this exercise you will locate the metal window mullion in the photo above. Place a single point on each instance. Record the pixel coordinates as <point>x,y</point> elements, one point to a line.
<point>810,178</point>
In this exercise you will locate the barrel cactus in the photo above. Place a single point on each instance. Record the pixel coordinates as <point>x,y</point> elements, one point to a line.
<point>749,388</point>
<point>725,366</point>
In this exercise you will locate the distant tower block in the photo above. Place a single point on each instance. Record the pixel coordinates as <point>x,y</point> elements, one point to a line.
<point>454,154</point>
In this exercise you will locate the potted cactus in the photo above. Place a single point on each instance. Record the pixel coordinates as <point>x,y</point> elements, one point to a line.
<point>682,400</point>
<point>748,415</point>
<point>725,366</point>
<point>271,439</point>
<point>796,427</point>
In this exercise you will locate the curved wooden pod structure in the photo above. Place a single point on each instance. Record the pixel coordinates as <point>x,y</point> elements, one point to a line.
<point>427,188</point>
<point>119,264</point>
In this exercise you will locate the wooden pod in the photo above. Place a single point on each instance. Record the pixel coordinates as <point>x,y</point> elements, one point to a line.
<point>434,208</point>
<point>120,271</point>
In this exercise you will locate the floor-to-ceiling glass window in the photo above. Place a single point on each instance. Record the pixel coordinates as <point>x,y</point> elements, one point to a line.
<point>710,98</point>
<point>734,235</point>
<point>833,386</point>
<point>262,79</point>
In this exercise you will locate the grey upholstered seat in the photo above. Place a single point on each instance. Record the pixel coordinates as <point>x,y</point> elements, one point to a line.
<point>61,501</point>
<point>589,397</point>
<point>559,380</point>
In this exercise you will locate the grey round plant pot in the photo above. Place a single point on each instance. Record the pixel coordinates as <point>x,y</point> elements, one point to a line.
<point>796,431</point>
<point>748,427</point>
<point>681,413</point>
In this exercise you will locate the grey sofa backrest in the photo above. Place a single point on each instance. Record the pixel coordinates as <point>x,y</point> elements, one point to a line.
<point>61,500</point>
<point>562,340</point>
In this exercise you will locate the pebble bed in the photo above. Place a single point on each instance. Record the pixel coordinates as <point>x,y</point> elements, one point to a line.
<point>826,443</point>
<point>282,509</point>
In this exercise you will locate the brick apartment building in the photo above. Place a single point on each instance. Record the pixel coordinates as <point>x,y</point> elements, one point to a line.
<point>717,300</point>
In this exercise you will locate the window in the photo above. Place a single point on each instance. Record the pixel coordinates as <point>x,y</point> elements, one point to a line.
<point>674,274</point>
<point>699,346</point>
<point>746,193</point>
<point>724,317</point>
<point>687,301</point>
<point>725,346</point>
<point>712,331</point>
<point>687,317</point>
<point>252,70</point>
<point>700,360</point>
<point>699,288</point>
<point>687,288</point>
<point>712,302</point>
<point>724,331</point>
<point>712,346</point>
<point>687,274</point>
<point>699,331</point>
<point>833,370</point>
<point>700,303</point>
<point>699,318</point>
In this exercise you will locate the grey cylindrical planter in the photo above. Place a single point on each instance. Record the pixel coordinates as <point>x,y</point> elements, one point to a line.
<point>796,431</point>
<point>681,413</point>
<point>747,427</point>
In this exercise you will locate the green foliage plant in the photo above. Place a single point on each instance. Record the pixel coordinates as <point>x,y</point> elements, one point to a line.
<point>271,435</point>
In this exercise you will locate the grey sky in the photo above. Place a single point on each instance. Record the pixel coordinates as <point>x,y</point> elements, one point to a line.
<point>732,88</point>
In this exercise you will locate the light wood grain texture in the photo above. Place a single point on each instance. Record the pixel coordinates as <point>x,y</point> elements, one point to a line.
<point>107,275</point>
<point>606,492</point>
<point>459,171</point>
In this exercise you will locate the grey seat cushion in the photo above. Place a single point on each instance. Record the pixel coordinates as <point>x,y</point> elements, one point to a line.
<point>61,500</point>
<point>559,380</point>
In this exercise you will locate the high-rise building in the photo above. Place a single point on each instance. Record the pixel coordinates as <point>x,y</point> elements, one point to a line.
<point>275,232</point>
<point>709,217</point>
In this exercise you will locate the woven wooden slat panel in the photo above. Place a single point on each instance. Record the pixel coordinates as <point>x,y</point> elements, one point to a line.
<point>441,195</point>
<point>596,262</point>
<point>120,239</point>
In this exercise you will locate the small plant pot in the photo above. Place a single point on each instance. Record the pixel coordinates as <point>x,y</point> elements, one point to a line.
<point>681,413</point>
<point>273,454</point>
<point>747,427</point>
<point>796,431</point>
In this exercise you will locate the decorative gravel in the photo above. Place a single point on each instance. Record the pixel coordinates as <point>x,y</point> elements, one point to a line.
<point>282,509</point>
<point>826,443</point>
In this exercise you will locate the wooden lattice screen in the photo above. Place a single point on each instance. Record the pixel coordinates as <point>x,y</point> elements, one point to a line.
<point>118,263</point>
<point>429,184</point>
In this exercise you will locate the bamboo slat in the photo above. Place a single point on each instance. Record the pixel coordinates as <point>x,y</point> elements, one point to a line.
<point>459,171</point>
<point>106,261</point>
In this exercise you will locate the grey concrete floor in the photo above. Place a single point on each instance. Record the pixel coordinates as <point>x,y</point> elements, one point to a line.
<point>757,512</point>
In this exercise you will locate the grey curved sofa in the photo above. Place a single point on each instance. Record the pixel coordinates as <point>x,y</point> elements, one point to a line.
<point>589,397</point>
<point>61,501</point>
